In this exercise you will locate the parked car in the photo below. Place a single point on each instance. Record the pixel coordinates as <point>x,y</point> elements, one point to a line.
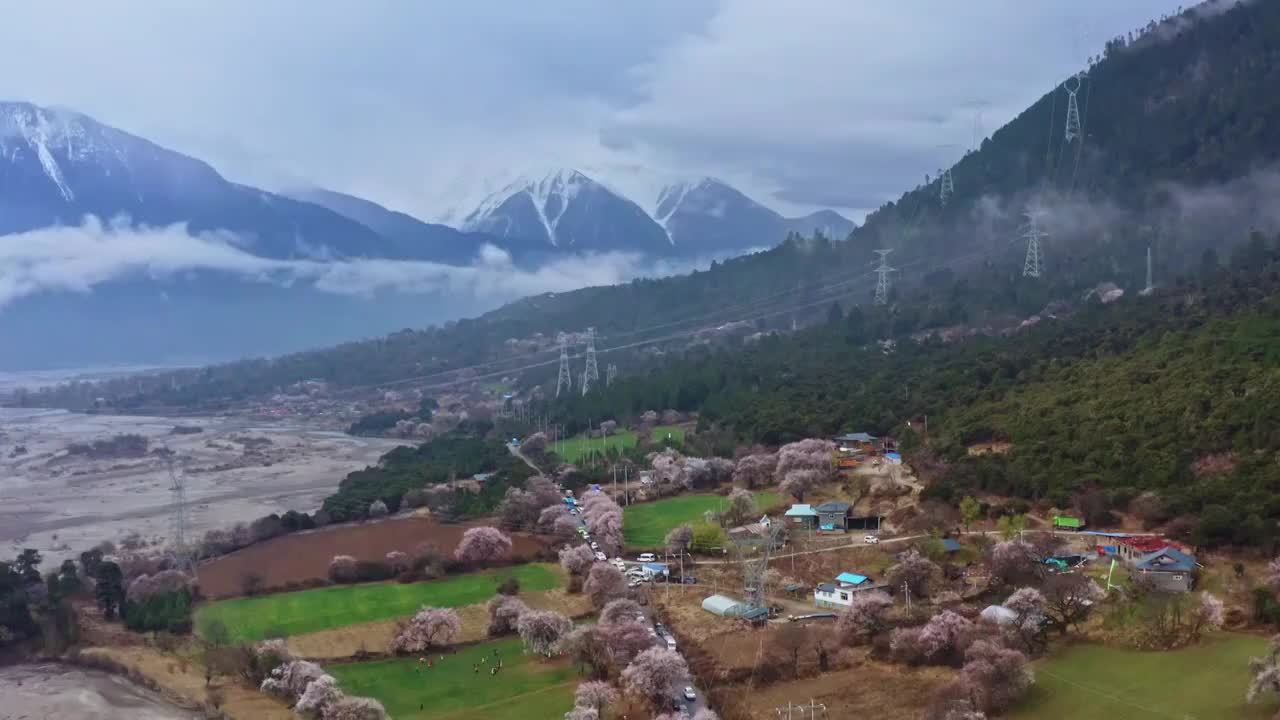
<point>686,580</point>
<point>595,545</point>
<point>690,695</point>
<point>601,557</point>
<point>647,558</point>
<point>660,628</point>
<point>871,540</point>
<point>635,572</point>
<point>635,583</point>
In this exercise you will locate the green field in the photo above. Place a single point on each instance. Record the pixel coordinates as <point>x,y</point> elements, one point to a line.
<point>528,686</point>
<point>1205,682</point>
<point>252,619</point>
<point>575,449</point>
<point>662,433</point>
<point>645,525</point>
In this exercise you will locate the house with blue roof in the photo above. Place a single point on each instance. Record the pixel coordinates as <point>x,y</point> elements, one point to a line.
<point>802,516</point>
<point>1167,570</point>
<point>840,593</point>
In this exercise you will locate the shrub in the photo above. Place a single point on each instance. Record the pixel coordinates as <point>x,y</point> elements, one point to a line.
<point>342,569</point>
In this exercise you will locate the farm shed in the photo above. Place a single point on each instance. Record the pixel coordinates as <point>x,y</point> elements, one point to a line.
<point>833,516</point>
<point>723,606</point>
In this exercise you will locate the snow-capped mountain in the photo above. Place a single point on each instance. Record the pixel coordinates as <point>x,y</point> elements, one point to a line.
<point>567,212</point>
<point>708,216</point>
<point>58,166</point>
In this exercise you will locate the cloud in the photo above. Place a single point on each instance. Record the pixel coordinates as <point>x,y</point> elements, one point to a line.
<point>426,106</point>
<point>79,259</point>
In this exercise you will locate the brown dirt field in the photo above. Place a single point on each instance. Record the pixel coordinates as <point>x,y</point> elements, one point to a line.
<point>990,448</point>
<point>186,682</point>
<point>868,689</point>
<point>376,636</point>
<point>305,556</point>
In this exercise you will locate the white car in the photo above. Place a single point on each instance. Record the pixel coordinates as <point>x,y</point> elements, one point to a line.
<point>595,545</point>
<point>871,540</point>
<point>689,694</point>
<point>635,583</point>
<point>618,563</point>
<point>601,557</point>
<point>635,572</point>
<point>647,557</point>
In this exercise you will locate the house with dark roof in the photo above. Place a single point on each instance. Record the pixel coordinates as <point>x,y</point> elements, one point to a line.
<point>833,516</point>
<point>1167,570</point>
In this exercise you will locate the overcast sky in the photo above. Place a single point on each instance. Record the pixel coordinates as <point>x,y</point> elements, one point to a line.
<point>425,105</point>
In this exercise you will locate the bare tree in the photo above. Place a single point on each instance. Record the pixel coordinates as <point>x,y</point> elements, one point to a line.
<point>535,444</point>
<point>1264,673</point>
<point>1015,561</point>
<point>483,545</point>
<point>791,640</point>
<point>1068,599</point>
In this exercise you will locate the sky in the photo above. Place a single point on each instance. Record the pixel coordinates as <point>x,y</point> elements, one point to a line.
<point>427,106</point>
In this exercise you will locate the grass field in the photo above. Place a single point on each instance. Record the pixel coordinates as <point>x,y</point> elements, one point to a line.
<point>1205,682</point>
<point>252,619</point>
<point>662,433</point>
<point>526,687</point>
<point>575,449</point>
<point>646,525</point>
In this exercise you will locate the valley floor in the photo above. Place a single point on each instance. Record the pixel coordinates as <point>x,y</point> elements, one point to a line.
<point>235,470</point>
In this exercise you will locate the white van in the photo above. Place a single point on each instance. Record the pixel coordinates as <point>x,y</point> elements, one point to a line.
<point>646,558</point>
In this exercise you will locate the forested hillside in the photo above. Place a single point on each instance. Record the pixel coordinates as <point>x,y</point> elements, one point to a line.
<point>1180,130</point>
<point>1177,393</point>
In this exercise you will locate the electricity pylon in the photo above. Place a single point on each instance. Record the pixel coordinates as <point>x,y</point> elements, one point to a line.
<point>1031,267</point>
<point>564,381</point>
<point>179,549</point>
<point>882,282</point>
<point>1073,108</point>
<point>1151,286</point>
<point>948,186</point>
<point>592,373</point>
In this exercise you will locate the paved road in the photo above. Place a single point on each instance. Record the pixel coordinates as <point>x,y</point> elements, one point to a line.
<point>677,690</point>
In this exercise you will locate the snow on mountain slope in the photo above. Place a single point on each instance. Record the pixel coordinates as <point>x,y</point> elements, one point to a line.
<point>566,211</point>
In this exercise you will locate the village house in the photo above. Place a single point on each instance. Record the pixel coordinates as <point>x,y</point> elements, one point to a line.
<point>1167,570</point>
<point>803,516</point>
<point>859,442</point>
<point>1132,550</point>
<point>833,516</point>
<point>841,592</point>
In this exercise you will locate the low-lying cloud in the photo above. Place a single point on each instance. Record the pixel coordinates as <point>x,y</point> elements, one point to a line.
<point>81,258</point>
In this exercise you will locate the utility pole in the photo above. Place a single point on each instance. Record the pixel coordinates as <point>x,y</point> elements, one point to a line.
<point>948,186</point>
<point>882,283</point>
<point>610,374</point>
<point>1031,267</point>
<point>907,589</point>
<point>564,382</point>
<point>592,373</point>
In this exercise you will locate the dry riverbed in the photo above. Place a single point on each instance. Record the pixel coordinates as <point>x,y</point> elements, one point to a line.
<point>234,469</point>
<point>58,691</point>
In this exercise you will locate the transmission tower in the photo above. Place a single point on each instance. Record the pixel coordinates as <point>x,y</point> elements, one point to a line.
<point>947,186</point>
<point>1033,234</point>
<point>754,564</point>
<point>592,373</point>
<point>882,283</point>
<point>1073,108</point>
<point>1151,286</point>
<point>179,549</point>
<point>610,374</point>
<point>564,381</point>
